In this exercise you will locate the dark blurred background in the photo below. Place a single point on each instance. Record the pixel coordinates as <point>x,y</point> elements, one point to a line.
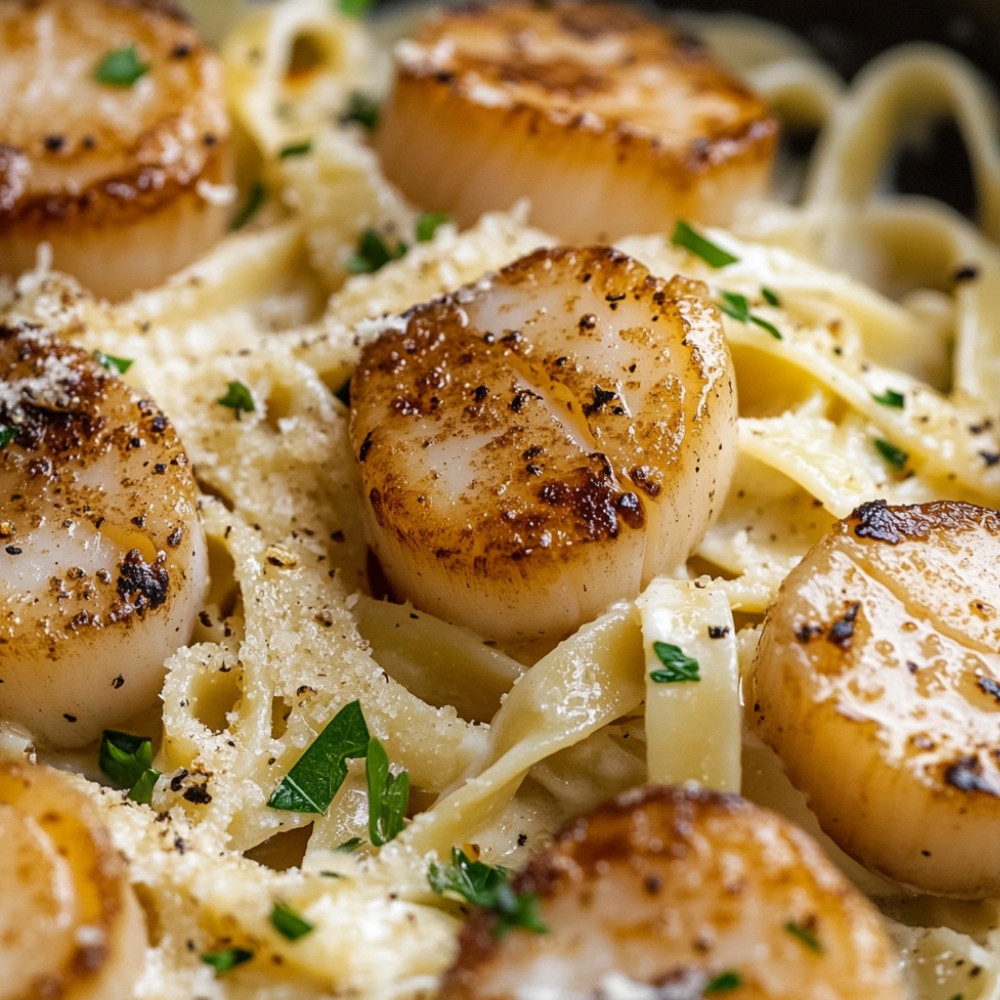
<point>849,32</point>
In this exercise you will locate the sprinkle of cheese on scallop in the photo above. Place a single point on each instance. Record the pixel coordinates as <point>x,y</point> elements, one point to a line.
<point>102,556</point>
<point>605,118</point>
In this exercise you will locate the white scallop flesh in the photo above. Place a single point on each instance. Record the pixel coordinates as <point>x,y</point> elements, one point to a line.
<point>544,442</point>
<point>103,563</point>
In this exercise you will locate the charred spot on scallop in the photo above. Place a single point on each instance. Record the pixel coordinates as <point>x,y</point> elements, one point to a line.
<point>890,724</point>
<point>103,568</point>
<point>524,470</point>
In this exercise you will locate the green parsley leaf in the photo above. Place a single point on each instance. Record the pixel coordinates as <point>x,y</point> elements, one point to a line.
<point>684,236</point>
<point>891,398</point>
<point>128,761</point>
<point>806,936</point>
<point>351,845</point>
<point>373,253</point>
<point>115,365</point>
<point>428,224</point>
<point>894,456</point>
<point>736,305</point>
<point>226,959</point>
<point>765,325</point>
<point>256,197</point>
<point>7,435</point>
<point>290,924</point>
<point>120,67</point>
<point>487,886</point>
<point>237,397</point>
<point>328,873</point>
<point>316,776</point>
<point>770,296</point>
<point>677,666</point>
<point>361,109</point>
<point>388,795</point>
<point>296,149</point>
<point>723,983</point>
<point>473,881</point>
<point>354,8</point>
<point>517,909</point>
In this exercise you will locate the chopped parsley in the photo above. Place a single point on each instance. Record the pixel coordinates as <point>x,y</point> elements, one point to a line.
<point>237,397</point>
<point>317,775</point>
<point>805,935</point>
<point>487,886</point>
<point>713,255</point>
<point>351,845</point>
<point>115,365</point>
<point>290,924</point>
<point>373,253</point>
<point>226,959</point>
<point>723,983</point>
<point>388,795</point>
<point>428,224</point>
<point>128,761</point>
<point>296,149</point>
<point>353,8</point>
<point>120,67</point>
<point>677,666</point>
<point>736,305</point>
<point>770,296</point>
<point>894,456</point>
<point>256,197</point>
<point>890,398</point>
<point>7,435</point>
<point>361,109</point>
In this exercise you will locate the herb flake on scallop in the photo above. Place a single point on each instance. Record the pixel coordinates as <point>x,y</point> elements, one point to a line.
<point>120,67</point>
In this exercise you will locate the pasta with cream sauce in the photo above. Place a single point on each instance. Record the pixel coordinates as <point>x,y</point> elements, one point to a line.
<point>867,366</point>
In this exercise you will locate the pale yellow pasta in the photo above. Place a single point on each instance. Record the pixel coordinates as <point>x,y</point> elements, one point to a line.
<point>858,296</point>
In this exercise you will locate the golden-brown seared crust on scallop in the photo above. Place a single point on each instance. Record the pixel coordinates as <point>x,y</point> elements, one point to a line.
<point>544,442</point>
<point>877,680</point>
<point>608,120</point>
<point>676,889</point>
<point>102,556</point>
<point>109,173</point>
<point>70,926</point>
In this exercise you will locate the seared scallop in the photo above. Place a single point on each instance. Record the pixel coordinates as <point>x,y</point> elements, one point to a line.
<point>679,893</point>
<point>877,681</point>
<point>70,926</point>
<point>544,442</point>
<point>606,119</point>
<point>114,141</point>
<point>102,555</point>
